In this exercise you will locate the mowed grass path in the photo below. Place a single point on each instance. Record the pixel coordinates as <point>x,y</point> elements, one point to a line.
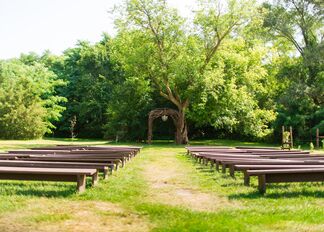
<point>160,190</point>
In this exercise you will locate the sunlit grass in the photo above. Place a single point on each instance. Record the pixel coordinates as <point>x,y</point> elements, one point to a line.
<point>285,207</point>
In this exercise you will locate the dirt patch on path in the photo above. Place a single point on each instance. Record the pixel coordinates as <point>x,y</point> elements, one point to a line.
<point>170,183</point>
<point>62,215</point>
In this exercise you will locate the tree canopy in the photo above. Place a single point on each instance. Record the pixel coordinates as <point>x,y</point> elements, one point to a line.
<point>236,68</point>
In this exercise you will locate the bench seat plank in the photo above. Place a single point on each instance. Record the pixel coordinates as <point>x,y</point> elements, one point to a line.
<point>50,174</point>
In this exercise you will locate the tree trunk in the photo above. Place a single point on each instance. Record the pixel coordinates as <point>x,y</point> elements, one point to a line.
<point>181,130</point>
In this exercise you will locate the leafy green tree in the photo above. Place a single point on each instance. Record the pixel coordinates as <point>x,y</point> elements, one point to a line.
<point>234,97</point>
<point>28,101</point>
<point>155,43</point>
<point>127,110</point>
<point>91,75</point>
<point>299,23</point>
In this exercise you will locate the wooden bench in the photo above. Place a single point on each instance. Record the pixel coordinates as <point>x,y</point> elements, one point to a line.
<point>257,148</point>
<point>50,174</point>
<point>245,168</point>
<point>101,167</point>
<point>106,161</point>
<point>286,175</point>
<point>122,157</point>
<point>231,164</point>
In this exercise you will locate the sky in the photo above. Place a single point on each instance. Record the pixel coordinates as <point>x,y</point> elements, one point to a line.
<point>55,25</point>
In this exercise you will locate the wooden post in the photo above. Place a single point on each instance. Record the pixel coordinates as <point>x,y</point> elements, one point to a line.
<point>217,166</point>
<point>283,132</point>
<point>317,138</point>
<point>81,183</point>
<point>232,171</point>
<point>95,179</point>
<point>262,183</point>
<point>223,168</point>
<point>291,137</point>
<point>246,179</point>
<point>106,172</point>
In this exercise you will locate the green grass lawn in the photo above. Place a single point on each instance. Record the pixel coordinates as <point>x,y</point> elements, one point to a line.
<point>159,190</point>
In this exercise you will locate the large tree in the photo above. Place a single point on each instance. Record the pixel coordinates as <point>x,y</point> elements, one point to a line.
<point>156,43</point>
<point>300,25</point>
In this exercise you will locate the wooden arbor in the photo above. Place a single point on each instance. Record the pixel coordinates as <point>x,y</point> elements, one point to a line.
<point>164,113</point>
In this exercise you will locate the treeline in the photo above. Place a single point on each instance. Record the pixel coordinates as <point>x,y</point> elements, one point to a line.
<point>236,70</point>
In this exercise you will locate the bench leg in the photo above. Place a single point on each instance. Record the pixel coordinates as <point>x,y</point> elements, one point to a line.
<point>116,166</point>
<point>81,183</point>
<point>217,166</point>
<point>95,179</point>
<point>106,172</point>
<point>123,163</point>
<point>262,184</point>
<point>232,171</point>
<point>246,179</point>
<point>224,168</point>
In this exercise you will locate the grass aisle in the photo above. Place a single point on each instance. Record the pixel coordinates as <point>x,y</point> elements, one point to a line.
<point>161,190</point>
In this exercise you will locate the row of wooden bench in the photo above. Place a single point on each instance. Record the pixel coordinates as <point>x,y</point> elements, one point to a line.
<point>64,163</point>
<point>270,165</point>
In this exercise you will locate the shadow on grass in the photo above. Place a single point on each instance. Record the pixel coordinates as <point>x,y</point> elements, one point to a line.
<point>280,191</point>
<point>37,189</point>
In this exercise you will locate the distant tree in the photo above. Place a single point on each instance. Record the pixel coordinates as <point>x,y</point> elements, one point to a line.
<point>91,75</point>
<point>28,101</point>
<point>127,110</point>
<point>299,23</point>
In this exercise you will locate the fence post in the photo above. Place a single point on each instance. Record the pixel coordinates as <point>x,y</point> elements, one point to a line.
<point>317,138</point>
<point>291,137</point>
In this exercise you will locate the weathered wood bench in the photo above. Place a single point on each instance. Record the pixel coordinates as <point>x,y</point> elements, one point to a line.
<point>286,175</point>
<point>106,161</point>
<point>257,148</point>
<point>50,174</point>
<point>245,168</point>
<point>101,167</point>
<point>123,157</point>
<point>231,164</point>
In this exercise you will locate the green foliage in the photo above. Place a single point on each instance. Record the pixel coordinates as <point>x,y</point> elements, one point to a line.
<point>91,75</point>
<point>128,110</point>
<point>300,25</point>
<point>216,78</point>
<point>28,100</point>
<point>311,146</point>
<point>286,136</point>
<point>229,74</point>
<point>234,97</point>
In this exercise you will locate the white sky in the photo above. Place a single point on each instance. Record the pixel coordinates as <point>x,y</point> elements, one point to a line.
<point>38,25</point>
